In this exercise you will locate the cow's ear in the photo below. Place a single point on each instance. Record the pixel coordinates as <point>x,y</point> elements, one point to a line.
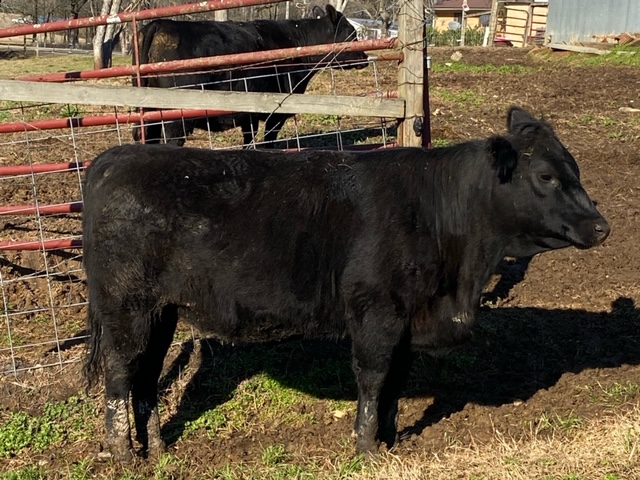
<point>317,12</point>
<point>332,13</point>
<point>519,120</point>
<point>504,157</point>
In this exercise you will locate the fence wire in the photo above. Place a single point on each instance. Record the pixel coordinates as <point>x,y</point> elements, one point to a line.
<point>44,300</point>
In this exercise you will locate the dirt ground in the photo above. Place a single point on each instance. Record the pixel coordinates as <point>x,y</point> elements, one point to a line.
<point>555,331</point>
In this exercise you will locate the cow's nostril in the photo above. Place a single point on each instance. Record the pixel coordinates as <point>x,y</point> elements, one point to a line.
<point>602,229</point>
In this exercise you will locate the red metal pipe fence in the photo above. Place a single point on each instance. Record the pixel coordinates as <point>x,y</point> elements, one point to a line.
<point>112,119</point>
<point>216,61</point>
<point>72,207</point>
<point>145,69</point>
<point>15,170</point>
<point>199,7</point>
<point>55,244</point>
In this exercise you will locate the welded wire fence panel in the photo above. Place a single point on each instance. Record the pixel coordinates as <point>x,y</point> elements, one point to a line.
<point>42,292</point>
<point>43,299</point>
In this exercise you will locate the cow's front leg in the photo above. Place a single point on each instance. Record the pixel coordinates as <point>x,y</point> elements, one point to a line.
<point>370,384</point>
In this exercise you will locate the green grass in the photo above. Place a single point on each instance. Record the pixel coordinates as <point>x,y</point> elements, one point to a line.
<point>11,111</point>
<point>169,466</point>
<point>617,56</point>
<point>259,396</point>
<point>27,473</point>
<point>281,471</point>
<point>14,68</point>
<point>440,142</point>
<point>322,120</point>
<point>59,422</point>
<point>461,97</point>
<point>562,423</point>
<point>488,68</point>
<point>80,470</point>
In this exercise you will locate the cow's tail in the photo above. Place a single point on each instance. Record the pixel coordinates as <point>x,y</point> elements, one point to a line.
<point>93,366</point>
<point>145,39</point>
<point>147,35</point>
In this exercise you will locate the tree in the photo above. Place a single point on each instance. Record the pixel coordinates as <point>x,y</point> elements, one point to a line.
<point>340,4</point>
<point>103,40</point>
<point>75,7</point>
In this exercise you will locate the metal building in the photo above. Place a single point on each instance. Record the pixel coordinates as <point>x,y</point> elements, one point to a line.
<point>571,21</point>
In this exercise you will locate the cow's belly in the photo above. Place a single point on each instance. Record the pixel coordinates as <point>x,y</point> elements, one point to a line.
<point>241,324</point>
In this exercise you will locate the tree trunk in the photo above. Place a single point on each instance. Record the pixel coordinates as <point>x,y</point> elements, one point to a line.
<point>74,39</point>
<point>103,41</point>
<point>340,4</point>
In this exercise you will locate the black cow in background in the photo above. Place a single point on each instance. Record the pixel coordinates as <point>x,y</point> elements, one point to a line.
<point>390,247</point>
<point>165,40</point>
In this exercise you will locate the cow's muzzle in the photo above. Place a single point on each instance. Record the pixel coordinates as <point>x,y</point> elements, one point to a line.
<point>592,232</point>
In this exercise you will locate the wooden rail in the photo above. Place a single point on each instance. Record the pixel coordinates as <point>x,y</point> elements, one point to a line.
<point>251,102</point>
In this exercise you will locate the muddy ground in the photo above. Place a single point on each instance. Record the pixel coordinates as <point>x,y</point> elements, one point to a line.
<point>554,332</point>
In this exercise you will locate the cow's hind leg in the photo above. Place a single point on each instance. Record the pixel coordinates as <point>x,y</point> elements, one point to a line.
<point>117,383</point>
<point>272,128</point>
<point>249,125</point>
<point>393,385</point>
<point>152,133</point>
<point>176,133</point>
<point>144,392</point>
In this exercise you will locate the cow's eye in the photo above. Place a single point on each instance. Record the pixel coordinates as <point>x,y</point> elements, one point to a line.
<point>549,179</point>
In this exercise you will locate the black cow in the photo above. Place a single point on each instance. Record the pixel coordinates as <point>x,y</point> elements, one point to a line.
<point>164,40</point>
<point>390,247</point>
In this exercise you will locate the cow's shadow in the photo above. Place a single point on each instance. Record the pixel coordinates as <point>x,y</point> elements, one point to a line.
<point>515,353</point>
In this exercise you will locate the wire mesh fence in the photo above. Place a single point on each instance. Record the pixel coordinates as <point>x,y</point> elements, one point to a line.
<point>44,149</point>
<point>42,288</point>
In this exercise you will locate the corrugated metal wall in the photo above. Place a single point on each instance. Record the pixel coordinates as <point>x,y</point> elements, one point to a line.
<point>578,20</point>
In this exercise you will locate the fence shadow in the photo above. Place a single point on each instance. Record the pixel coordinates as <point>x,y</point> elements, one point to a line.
<point>515,353</point>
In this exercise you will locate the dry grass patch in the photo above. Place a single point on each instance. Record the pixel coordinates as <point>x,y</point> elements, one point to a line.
<point>606,448</point>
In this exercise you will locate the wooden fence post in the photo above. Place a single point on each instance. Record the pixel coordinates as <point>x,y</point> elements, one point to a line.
<point>493,22</point>
<point>411,71</point>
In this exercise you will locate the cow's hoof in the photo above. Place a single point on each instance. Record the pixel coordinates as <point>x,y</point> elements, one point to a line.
<point>389,438</point>
<point>120,452</point>
<point>367,449</point>
<point>122,457</point>
<point>156,448</point>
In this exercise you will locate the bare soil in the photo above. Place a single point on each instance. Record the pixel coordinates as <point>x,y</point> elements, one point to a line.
<point>555,333</point>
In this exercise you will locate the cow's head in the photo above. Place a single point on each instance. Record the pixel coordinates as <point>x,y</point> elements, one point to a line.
<point>333,27</point>
<point>538,198</point>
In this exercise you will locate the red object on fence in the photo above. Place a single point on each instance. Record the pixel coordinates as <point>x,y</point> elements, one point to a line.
<point>72,207</point>
<point>98,120</point>
<point>216,61</point>
<point>41,168</point>
<point>206,6</point>
<point>38,245</point>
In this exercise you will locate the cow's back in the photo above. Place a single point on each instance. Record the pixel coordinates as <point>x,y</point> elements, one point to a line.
<point>166,40</point>
<point>239,237</point>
